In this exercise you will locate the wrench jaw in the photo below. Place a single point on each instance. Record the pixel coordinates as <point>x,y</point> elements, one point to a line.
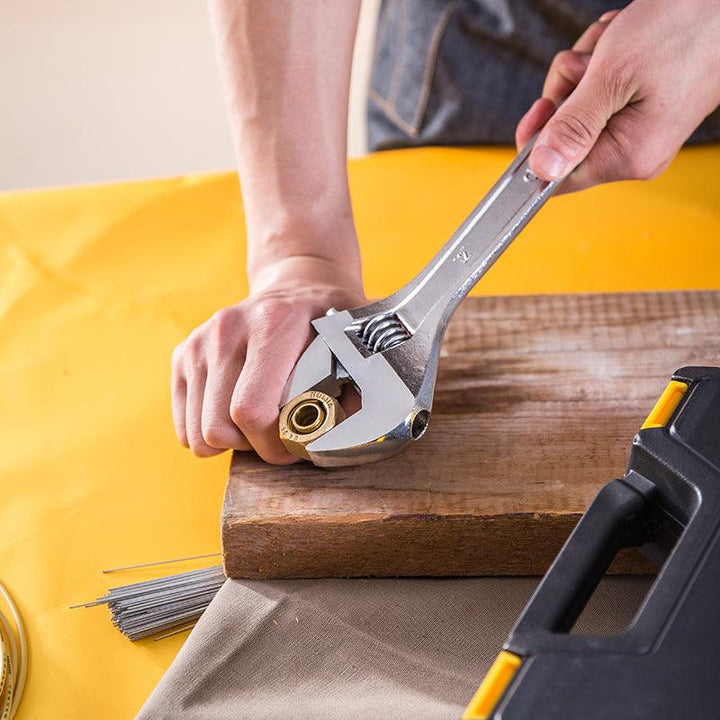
<point>388,422</point>
<point>315,370</point>
<point>330,450</point>
<point>391,416</point>
<point>395,384</point>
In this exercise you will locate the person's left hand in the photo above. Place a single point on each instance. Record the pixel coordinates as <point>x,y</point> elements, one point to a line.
<point>633,89</point>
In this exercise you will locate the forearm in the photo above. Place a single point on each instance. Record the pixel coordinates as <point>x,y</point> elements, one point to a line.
<point>285,68</point>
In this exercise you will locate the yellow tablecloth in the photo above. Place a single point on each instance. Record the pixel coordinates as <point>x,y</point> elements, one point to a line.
<point>100,283</point>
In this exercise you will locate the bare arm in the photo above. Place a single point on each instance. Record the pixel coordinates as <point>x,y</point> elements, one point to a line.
<point>285,69</point>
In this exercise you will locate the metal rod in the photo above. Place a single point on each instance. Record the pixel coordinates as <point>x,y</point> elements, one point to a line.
<point>146,608</point>
<point>160,562</point>
<point>175,632</point>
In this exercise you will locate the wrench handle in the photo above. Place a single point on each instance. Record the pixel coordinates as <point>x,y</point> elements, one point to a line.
<point>489,229</point>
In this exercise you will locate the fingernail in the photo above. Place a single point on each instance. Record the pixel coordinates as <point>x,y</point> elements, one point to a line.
<point>548,163</point>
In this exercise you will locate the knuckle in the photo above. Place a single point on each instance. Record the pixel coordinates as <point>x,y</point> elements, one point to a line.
<point>574,130</point>
<point>642,167</point>
<point>223,324</point>
<point>194,345</point>
<point>273,314</point>
<point>200,449</point>
<point>617,79</point>
<point>599,27</point>
<point>562,61</point>
<point>249,412</point>
<point>216,435</point>
<point>636,157</point>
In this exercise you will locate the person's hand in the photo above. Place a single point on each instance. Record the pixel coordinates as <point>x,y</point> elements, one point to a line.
<point>228,375</point>
<point>633,89</point>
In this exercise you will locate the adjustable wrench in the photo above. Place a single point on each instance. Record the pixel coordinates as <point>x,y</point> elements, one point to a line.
<point>389,349</point>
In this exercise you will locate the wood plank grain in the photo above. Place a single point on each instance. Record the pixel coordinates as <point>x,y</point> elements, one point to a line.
<point>537,401</point>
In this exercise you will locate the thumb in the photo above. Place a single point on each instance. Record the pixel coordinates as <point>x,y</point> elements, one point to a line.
<point>570,134</point>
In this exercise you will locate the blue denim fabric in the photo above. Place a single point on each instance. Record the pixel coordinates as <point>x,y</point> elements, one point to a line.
<point>457,72</point>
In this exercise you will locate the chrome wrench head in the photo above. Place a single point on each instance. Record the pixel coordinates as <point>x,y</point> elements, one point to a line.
<point>391,416</point>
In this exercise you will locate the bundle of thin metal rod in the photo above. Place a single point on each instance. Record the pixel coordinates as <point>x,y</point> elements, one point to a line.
<point>14,653</point>
<point>164,605</point>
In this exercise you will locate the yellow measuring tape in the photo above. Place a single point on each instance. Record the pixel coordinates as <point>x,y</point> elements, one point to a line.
<point>13,649</point>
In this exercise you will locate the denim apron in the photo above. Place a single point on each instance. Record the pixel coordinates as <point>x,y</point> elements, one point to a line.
<point>462,72</point>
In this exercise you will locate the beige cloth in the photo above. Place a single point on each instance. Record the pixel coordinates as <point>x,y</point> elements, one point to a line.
<point>380,649</point>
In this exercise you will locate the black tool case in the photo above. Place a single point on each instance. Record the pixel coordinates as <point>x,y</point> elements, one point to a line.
<point>666,664</point>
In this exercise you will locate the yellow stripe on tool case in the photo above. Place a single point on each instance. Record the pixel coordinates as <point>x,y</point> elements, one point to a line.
<point>666,404</point>
<point>493,686</point>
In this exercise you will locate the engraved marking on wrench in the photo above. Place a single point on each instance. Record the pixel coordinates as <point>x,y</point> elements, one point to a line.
<point>463,255</point>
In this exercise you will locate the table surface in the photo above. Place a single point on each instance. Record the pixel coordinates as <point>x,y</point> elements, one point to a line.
<point>100,283</point>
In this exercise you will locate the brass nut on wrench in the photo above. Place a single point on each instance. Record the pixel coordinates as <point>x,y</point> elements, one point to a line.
<point>307,417</point>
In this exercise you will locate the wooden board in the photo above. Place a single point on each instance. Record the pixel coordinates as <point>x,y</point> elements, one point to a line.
<point>537,401</point>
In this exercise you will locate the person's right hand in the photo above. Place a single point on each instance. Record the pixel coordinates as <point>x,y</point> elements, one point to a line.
<point>229,373</point>
<point>623,101</point>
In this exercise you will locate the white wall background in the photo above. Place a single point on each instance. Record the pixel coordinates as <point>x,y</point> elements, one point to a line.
<point>102,90</point>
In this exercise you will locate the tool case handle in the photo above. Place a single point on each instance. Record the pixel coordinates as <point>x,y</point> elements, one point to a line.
<point>616,516</point>
<point>671,516</point>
